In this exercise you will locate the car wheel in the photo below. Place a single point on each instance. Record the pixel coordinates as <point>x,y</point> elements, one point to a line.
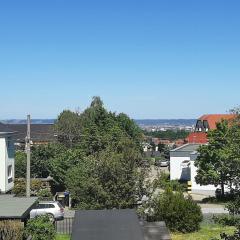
<point>51,217</point>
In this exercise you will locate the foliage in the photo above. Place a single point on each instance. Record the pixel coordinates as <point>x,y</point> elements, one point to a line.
<point>10,230</point>
<point>235,236</point>
<point>226,220</point>
<point>62,237</point>
<point>62,162</point>
<point>163,181</point>
<point>20,187</point>
<point>20,164</point>
<point>233,206</point>
<point>44,194</point>
<point>216,164</point>
<point>40,228</point>
<point>67,128</point>
<point>206,232</point>
<point>40,160</point>
<point>180,214</point>
<point>106,181</point>
<point>100,167</point>
<point>96,158</point>
<point>168,134</point>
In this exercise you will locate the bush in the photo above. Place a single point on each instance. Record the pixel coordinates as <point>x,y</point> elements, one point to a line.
<point>180,214</point>
<point>235,236</point>
<point>10,230</point>
<point>44,194</point>
<point>40,228</point>
<point>163,181</point>
<point>233,207</point>
<point>20,187</point>
<point>226,220</point>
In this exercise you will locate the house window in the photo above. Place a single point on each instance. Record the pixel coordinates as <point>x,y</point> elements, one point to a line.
<point>10,174</point>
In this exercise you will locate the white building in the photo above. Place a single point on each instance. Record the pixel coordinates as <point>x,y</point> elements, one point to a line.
<point>6,162</point>
<point>182,168</point>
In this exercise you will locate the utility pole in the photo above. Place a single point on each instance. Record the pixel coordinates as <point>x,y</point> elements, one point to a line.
<point>28,150</point>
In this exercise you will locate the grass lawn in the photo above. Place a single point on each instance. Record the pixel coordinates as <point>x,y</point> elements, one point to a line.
<point>205,233</point>
<point>62,237</point>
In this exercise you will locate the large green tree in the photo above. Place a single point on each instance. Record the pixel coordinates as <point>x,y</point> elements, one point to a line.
<point>218,161</point>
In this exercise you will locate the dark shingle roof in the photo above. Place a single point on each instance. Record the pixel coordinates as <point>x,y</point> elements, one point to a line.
<point>39,132</point>
<point>106,225</point>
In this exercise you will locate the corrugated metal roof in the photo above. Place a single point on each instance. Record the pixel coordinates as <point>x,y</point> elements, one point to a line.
<point>15,207</point>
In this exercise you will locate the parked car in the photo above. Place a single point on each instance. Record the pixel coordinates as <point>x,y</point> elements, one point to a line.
<point>53,209</point>
<point>162,163</point>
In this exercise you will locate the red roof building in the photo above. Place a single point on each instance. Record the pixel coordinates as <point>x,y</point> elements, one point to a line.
<point>204,124</point>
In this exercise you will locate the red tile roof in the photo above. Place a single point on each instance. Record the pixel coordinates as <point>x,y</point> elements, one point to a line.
<point>212,119</point>
<point>197,137</point>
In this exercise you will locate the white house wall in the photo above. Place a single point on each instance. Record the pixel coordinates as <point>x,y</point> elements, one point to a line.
<point>175,167</point>
<point>6,159</point>
<point>2,164</point>
<point>197,188</point>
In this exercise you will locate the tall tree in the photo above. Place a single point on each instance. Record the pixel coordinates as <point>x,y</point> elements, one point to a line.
<point>67,128</point>
<point>214,163</point>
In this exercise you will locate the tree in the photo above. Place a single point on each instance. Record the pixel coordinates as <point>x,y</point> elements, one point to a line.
<point>67,128</point>
<point>214,163</point>
<point>20,164</point>
<point>108,180</point>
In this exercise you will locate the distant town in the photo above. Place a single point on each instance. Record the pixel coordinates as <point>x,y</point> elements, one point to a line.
<point>149,125</point>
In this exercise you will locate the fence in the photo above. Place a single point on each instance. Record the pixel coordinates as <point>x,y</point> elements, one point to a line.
<point>64,226</point>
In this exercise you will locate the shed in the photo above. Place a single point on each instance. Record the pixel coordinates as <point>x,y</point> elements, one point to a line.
<point>106,225</point>
<point>12,207</point>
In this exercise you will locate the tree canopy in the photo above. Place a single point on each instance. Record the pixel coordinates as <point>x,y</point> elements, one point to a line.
<point>218,162</point>
<point>96,157</point>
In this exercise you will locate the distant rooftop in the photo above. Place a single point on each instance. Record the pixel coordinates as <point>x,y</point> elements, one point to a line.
<point>15,207</point>
<point>187,148</point>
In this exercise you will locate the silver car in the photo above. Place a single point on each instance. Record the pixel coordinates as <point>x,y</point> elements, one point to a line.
<point>53,209</point>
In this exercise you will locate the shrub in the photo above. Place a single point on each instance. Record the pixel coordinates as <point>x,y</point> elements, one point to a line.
<point>10,230</point>
<point>226,220</point>
<point>44,194</point>
<point>20,187</point>
<point>233,207</point>
<point>163,181</point>
<point>180,214</point>
<point>235,236</point>
<point>40,228</point>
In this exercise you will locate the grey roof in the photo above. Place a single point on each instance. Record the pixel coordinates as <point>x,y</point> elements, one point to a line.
<point>15,207</point>
<point>187,148</point>
<point>155,231</point>
<point>106,225</point>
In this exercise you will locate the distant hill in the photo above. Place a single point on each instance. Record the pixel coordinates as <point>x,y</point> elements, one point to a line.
<point>141,122</point>
<point>33,121</point>
<point>166,122</point>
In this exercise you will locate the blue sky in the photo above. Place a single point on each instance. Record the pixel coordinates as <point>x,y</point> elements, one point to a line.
<point>149,59</point>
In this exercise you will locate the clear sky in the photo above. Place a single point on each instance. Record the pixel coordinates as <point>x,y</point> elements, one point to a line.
<point>147,58</point>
